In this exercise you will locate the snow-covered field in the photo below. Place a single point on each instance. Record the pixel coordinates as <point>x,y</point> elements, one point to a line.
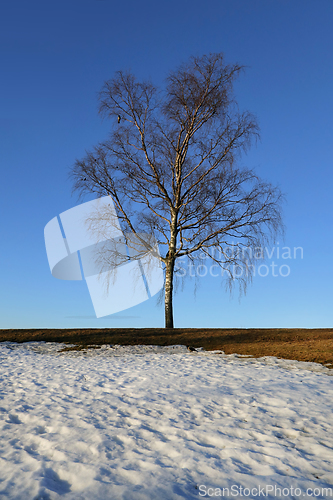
<point>161,423</point>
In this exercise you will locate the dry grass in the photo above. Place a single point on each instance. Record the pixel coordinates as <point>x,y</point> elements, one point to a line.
<point>295,343</point>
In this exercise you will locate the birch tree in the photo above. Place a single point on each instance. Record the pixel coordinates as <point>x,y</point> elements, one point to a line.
<point>171,165</point>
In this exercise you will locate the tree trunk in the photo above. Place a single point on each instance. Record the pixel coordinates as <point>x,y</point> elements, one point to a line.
<point>168,293</point>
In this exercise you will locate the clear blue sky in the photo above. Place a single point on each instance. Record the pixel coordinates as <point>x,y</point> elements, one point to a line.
<point>55,57</point>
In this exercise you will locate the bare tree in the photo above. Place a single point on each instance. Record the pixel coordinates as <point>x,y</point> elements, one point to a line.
<point>170,166</point>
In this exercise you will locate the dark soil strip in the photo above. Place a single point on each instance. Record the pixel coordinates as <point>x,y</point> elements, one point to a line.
<point>301,344</point>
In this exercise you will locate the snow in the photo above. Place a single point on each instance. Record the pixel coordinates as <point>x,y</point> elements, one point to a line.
<point>161,423</point>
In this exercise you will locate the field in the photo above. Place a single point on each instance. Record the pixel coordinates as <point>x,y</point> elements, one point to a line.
<point>315,345</point>
<point>154,420</point>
